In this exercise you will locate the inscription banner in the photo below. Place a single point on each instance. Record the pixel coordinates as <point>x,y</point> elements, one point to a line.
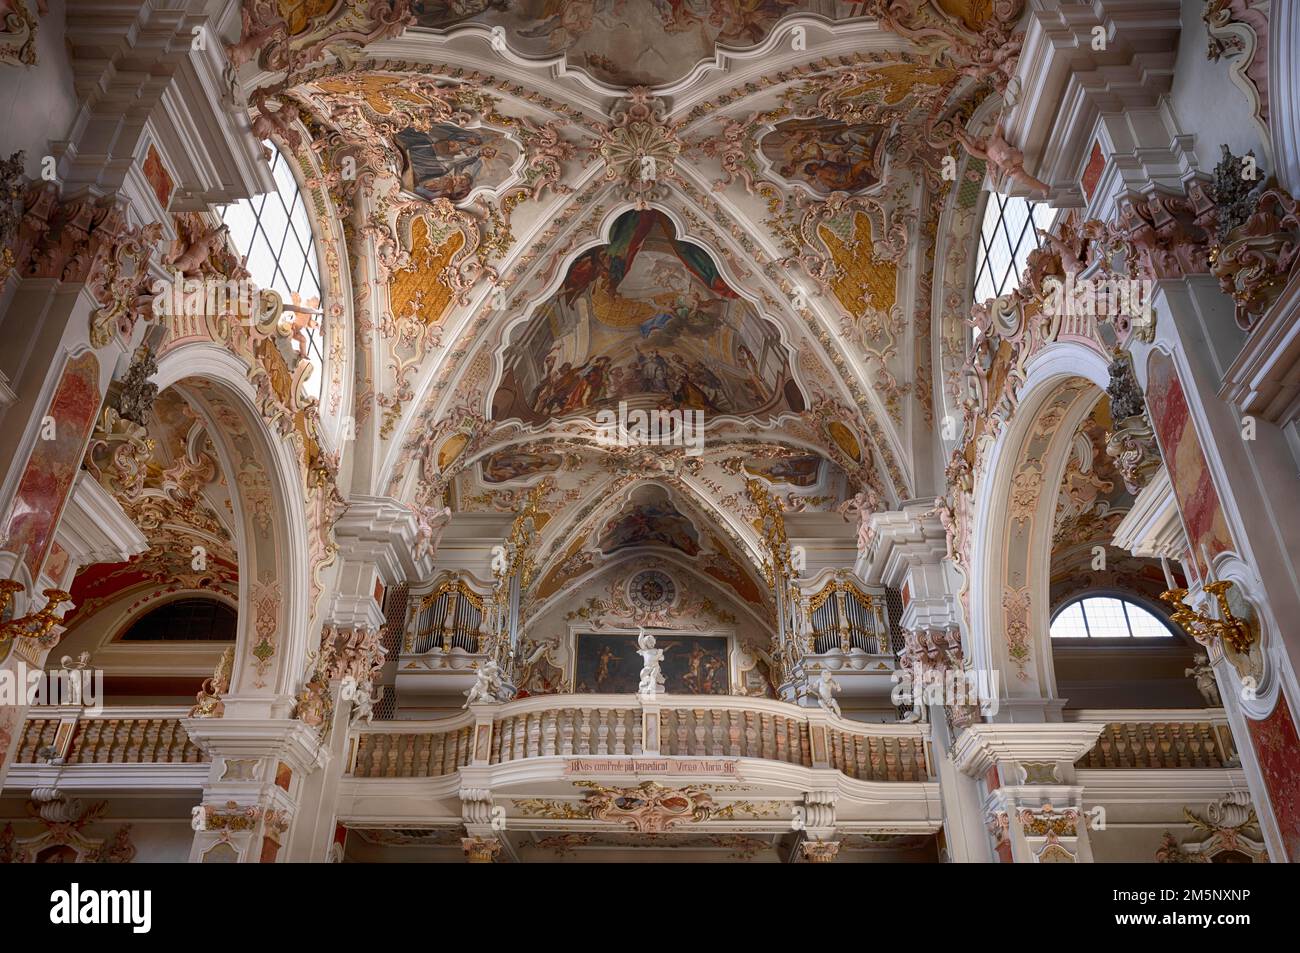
<point>650,766</point>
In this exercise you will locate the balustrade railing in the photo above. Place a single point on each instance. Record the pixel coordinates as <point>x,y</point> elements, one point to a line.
<point>1189,738</point>
<point>112,736</point>
<point>615,725</point>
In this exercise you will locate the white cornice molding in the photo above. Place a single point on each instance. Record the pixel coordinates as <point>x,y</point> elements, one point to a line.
<point>982,746</point>
<point>151,779</point>
<point>1065,85</point>
<point>903,538</point>
<point>1265,377</point>
<point>95,528</point>
<point>381,531</point>
<point>1153,527</point>
<point>288,739</point>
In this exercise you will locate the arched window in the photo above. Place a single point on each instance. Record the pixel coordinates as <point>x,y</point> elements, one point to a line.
<point>1007,236</point>
<point>274,231</point>
<point>1107,617</point>
<point>185,620</point>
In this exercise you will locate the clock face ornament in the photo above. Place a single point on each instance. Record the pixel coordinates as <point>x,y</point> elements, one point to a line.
<point>651,590</point>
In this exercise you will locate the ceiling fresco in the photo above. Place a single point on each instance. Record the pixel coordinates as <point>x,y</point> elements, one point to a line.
<point>1090,504</point>
<point>551,209</point>
<point>166,478</point>
<point>622,43</point>
<point>825,155</point>
<point>645,316</point>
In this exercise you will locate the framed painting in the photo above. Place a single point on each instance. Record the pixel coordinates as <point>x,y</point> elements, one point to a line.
<point>608,663</point>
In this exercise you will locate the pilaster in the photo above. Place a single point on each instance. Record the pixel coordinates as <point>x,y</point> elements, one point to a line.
<point>254,789</point>
<point>1033,802</point>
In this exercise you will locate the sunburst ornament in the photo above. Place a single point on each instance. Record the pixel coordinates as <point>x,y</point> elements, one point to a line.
<point>639,148</point>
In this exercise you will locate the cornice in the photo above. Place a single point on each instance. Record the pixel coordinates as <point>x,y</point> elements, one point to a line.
<point>982,746</point>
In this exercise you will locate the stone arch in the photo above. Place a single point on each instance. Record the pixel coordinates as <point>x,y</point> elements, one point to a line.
<point>1015,504</point>
<point>268,498</point>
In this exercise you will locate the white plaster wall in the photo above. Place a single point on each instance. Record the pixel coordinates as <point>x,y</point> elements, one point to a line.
<point>38,103</point>
<point>1206,101</point>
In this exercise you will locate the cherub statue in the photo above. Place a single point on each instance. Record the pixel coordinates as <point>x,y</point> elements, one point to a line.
<point>862,505</point>
<point>189,261</point>
<point>487,685</point>
<point>302,317</point>
<point>826,689</point>
<point>363,706</point>
<point>1002,155</point>
<point>430,524</point>
<point>79,664</point>
<point>1203,673</point>
<point>652,677</point>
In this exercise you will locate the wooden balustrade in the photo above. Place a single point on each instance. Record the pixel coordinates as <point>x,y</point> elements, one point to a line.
<point>1156,739</point>
<point>411,754</point>
<point>608,725</point>
<point>136,736</point>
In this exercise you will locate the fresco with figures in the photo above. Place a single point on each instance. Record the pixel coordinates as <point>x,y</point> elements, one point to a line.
<point>825,155</point>
<point>647,317</point>
<point>649,523</point>
<point>650,43</point>
<point>692,664</point>
<point>448,162</point>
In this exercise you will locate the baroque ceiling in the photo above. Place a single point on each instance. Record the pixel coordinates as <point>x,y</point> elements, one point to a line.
<point>546,210</point>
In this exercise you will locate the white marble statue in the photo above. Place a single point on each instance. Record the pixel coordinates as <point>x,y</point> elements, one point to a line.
<point>430,523</point>
<point>652,676</point>
<point>487,685</point>
<point>1203,672</point>
<point>363,706</point>
<point>826,689</point>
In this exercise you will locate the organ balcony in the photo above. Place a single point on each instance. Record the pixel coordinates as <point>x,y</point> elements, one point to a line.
<point>850,635</point>
<point>447,636</point>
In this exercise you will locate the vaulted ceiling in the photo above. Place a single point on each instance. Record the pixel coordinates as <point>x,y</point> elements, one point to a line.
<point>552,208</point>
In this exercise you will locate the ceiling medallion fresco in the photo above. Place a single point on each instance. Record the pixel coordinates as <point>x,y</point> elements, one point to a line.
<point>826,156</point>
<point>622,43</point>
<point>448,162</point>
<point>649,519</point>
<point>645,318</point>
<point>487,174</point>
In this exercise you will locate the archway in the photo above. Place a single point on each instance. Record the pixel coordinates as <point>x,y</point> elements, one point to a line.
<point>1015,508</point>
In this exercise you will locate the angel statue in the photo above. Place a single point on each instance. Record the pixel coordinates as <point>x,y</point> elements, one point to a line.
<point>861,506</point>
<point>652,677</point>
<point>1203,673</point>
<point>487,685</point>
<point>430,523</point>
<point>363,706</point>
<point>826,689</point>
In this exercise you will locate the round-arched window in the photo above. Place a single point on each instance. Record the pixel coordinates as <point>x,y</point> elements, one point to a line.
<point>185,620</point>
<point>1007,236</point>
<point>274,232</point>
<point>1107,617</point>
